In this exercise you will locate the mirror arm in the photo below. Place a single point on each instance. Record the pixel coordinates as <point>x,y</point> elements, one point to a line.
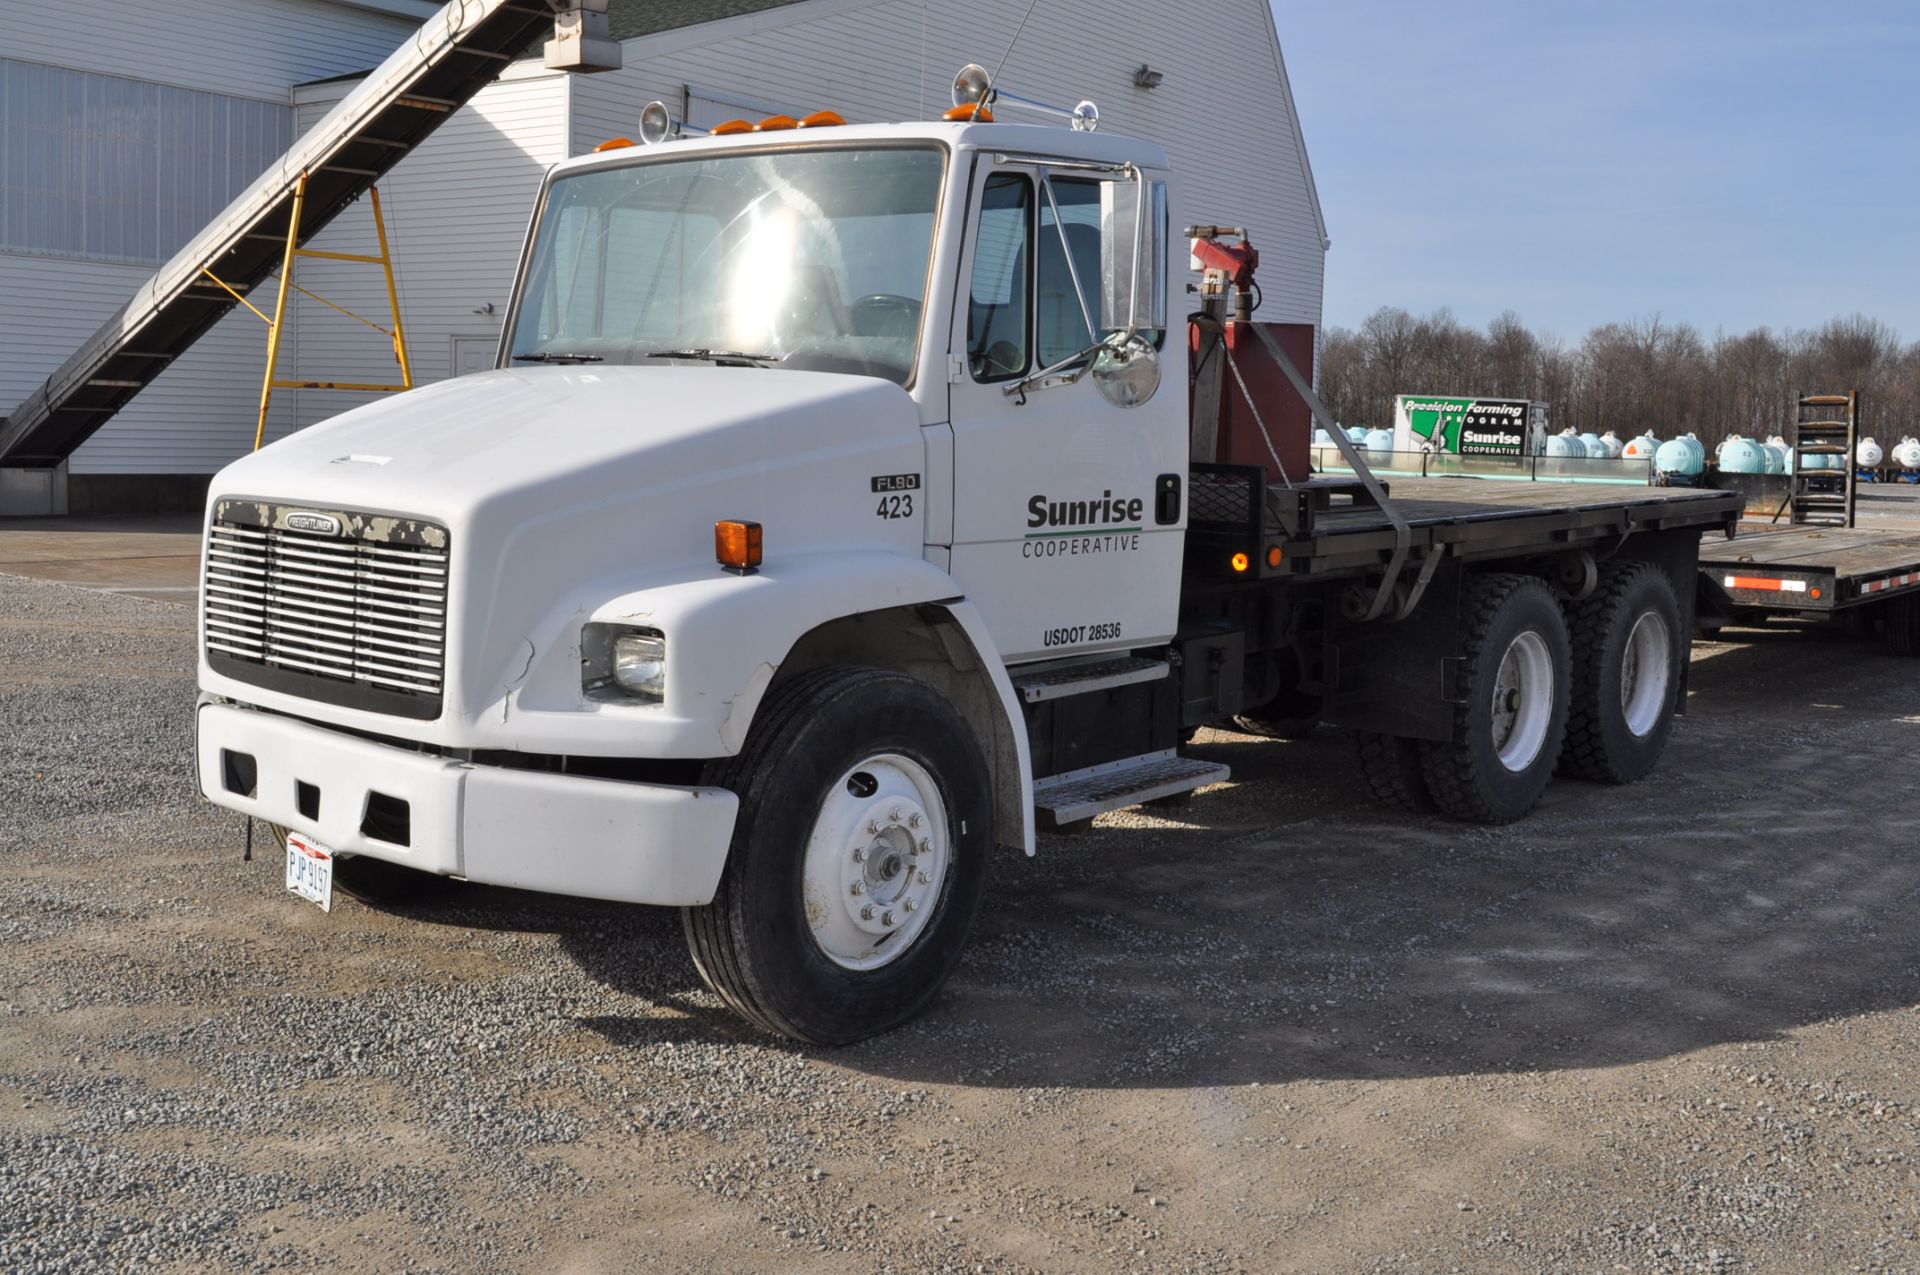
<point>1064,366</point>
<point>1073,272</point>
<point>1139,231</point>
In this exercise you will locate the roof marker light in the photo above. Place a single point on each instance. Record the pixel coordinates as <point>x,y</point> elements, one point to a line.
<point>614,144</point>
<point>776,123</point>
<point>731,127</point>
<point>974,111</point>
<point>823,119</point>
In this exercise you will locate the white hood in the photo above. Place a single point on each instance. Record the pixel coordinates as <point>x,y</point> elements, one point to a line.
<point>561,487</point>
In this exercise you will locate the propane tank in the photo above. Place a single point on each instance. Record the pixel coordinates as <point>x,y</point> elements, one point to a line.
<point>1868,454</point>
<point>1378,440</point>
<point>1611,441</point>
<point>1778,445</point>
<point>1565,443</point>
<point>1906,453</point>
<point>1680,459</point>
<point>1641,448</point>
<point>1594,448</point>
<point>1357,436</point>
<point>1773,460</point>
<point>1321,438</point>
<point>1742,456</point>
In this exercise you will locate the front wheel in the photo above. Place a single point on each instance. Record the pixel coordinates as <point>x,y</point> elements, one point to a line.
<point>859,857</point>
<point>1511,716</point>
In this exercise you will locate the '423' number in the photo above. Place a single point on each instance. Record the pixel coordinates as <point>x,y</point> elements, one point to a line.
<point>897,506</point>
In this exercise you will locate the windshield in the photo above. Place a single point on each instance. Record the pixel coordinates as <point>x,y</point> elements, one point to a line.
<point>813,259</point>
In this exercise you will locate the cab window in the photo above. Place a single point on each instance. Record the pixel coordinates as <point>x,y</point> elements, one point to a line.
<point>1000,297</point>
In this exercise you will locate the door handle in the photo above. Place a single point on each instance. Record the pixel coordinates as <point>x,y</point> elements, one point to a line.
<point>1166,500</point>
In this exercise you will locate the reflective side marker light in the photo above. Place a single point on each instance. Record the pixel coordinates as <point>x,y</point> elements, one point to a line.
<point>737,545</point>
<point>1275,556</point>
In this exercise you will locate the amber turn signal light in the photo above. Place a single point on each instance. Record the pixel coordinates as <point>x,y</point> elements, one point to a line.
<point>737,545</point>
<point>1240,562</point>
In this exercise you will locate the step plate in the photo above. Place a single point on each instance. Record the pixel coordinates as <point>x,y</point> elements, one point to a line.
<point>1082,794</point>
<point>1078,679</point>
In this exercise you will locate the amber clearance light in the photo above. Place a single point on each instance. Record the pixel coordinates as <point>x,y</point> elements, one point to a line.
<point>737,545</point>
<point>1240,563</point>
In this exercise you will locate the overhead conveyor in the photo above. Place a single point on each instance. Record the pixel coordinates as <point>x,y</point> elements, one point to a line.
<point>451,57</point>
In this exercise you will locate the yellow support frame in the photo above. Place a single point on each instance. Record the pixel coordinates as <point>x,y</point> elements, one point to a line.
<point>397,333</point>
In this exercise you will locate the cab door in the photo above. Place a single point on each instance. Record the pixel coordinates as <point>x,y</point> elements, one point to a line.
<point>1068,511</point>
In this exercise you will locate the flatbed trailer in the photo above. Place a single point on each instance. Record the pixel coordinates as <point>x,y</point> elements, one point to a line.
<point>1816,573</point>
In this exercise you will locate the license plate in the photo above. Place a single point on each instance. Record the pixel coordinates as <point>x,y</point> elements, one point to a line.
<point>310,870</point>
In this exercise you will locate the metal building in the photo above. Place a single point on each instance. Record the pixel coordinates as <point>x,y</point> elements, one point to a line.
<point>120,145</point>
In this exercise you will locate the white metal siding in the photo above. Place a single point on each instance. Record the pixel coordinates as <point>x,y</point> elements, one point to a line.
<point>195,418</point>
<point>1224,113</point>
<point>117,169</point>
<point>254,48</point>
<point>456,213</point>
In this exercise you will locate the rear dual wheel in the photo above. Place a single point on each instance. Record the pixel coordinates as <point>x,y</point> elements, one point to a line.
<point>1511,714</point>
<point>1627,653</point>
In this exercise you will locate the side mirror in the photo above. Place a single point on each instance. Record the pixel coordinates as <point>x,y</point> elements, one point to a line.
<point>1133,255</point>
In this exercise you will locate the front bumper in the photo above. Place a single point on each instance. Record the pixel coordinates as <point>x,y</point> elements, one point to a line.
<point>534,830</point>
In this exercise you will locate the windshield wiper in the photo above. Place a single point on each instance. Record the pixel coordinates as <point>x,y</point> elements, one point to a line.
<point>558,357</point>
<point>730,357</point>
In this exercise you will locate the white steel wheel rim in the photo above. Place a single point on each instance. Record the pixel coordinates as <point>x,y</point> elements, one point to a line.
<point>876,861</point>
<point>1522,700</point>
<point>1645,672</point>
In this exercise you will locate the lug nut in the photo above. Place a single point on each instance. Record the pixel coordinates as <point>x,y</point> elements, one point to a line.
<point>873,826</point>
<point>866,913</point>
<point>893,816</point>
<point>914,822</point>
<point>859,854</point>
<point>908,904</point>
<point>859,888</point>
<point>922,878</point>
<point>887,919</point>
<point>925,846</point>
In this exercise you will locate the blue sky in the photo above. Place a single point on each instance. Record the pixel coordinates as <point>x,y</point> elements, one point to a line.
<point>1729,163</point>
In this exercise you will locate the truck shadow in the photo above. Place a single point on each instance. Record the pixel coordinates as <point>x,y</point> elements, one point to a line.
<point>1277,929</point>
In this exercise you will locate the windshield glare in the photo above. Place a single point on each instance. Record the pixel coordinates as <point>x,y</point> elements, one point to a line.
<point>813,259</point>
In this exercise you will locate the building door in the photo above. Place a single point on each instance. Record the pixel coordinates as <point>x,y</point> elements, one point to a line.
<point>474,353</point>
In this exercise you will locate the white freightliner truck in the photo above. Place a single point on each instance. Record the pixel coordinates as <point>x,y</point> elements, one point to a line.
<point>820,530</point>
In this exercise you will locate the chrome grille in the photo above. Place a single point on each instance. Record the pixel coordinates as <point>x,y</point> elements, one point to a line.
<point>333,612</point>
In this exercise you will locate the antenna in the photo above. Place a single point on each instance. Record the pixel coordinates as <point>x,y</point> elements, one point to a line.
<point>1001,65</point>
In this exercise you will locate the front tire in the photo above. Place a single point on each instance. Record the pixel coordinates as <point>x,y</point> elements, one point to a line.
<point>1512,715</point>
<point>1626,675</point>
<point>858,861</point>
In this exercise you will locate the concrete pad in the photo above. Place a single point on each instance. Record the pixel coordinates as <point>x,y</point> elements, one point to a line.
<point>157,558</point>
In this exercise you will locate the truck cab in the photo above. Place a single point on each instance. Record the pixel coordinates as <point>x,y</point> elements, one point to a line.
<point>835,402</point>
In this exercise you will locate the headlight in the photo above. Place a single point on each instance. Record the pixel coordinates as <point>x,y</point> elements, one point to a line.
<point>624,665</point>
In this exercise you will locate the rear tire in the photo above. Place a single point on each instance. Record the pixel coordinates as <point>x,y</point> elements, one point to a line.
<point>1627,653</point>
<point>1390,765</point>
<point>1903,624</point>
<point>859,857</point>
<point>1512,716</point>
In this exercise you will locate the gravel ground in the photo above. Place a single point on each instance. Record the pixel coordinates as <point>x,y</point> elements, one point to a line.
<point>1667,1028</point>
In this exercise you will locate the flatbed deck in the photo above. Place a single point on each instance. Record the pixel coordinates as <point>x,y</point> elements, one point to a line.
<point>1812,568</point>
<point>1472,518</point>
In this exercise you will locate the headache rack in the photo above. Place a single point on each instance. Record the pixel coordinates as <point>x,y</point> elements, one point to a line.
<point>341,607</point>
